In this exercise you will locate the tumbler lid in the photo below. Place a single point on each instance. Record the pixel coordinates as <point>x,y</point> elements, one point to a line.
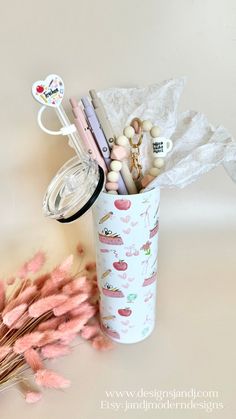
<point>66,198</point>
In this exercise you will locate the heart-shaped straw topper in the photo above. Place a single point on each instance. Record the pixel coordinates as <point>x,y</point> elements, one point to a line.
<point>50,91</point>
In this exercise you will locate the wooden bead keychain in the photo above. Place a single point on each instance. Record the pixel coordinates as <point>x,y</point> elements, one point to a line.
<point>135,128</point>
<point>160,148</point>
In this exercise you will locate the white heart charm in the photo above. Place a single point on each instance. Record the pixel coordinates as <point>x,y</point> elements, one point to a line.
<point>50,91</point>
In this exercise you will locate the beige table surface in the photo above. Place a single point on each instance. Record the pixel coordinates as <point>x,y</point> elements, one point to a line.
<point>99,44</point>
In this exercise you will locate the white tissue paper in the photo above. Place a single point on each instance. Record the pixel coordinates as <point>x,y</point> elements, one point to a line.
<point>197,146</point>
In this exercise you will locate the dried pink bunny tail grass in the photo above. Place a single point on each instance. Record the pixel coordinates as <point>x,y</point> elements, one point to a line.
<point>94,293</point>
<point>53,286</point>
<point>32,266</point>
<point>46,304</point>
<point>94,281</point>
<point>27,295</point>
<point>49,337</point>
<point>32,396</point>
<point>2,295</point>
<point>49,288</point>
<point>75,285</point>
<point>90,331</point>
<point>74,325</point>
<point>22,320</point>
<point>66,265</point>
<point>4,351</point>
<point>27,341</point>
<point>3,331</point>
<point>78,286</point>
<point>80,310</point>
<point>102,343</point>
<point>50,379</point>
<point>88,309</point>
<point>68,338</point>
<point>9,306</point>
<point>58,277</point>
<point>95,278</point>
<point>87,287</point>
<point>80,249</point>
<point>95,289</point>
<point>23,297</point>
<point>70,304</point>
<point>23,285</point>
<point>55,350</point>
<point>33,359</point>
<point>40,280</point>
<point>51,324</point>
<point>29,391</point>
<point>90,266</point>
<point>12,316</point>
<point>63,269</point>
<point>42,333</point>
<point>11,280</point>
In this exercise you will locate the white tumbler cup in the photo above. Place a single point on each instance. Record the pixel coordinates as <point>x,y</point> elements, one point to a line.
<point>126,240</point>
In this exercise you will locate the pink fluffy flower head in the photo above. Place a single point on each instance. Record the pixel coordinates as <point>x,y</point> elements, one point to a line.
<point>33,396</point>
<point>50,379</point>
<point>102,343</point>
<point>27,341</point>
<point>75,286</point>
<point>32,266</point>
<point>33,359</point>
<point>12,316</point>
<point>70,304</point>
<point>55,350</point>
<point>46,304</point>
<point>74,325</point>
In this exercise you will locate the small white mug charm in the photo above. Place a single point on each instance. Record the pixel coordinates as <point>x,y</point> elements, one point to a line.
<point>161,146</point>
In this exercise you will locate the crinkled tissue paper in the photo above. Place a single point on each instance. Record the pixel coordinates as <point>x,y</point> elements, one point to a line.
<point>197,145</point>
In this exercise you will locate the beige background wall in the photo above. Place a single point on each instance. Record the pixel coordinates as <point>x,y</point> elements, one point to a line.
<point>126,43</point>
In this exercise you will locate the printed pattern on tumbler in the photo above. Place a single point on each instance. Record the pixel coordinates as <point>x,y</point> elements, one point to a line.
<point>126,230</point>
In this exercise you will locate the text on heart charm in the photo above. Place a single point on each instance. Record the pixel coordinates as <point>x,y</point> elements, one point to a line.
<point>50,91</point>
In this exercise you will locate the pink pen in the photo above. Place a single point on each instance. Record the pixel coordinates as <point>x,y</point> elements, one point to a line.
<point>85,134</point>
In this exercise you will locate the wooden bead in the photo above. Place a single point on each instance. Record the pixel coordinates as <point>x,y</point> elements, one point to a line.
<point>122,140</point>
<point>129,131</point>
<point>155,131</point>
<point>158,162</point>
<point>136,123</point>
<point>112,186</point>
<point>146,180</point>
<point>154,171</point>
<point>116,165</point>
<point>112,192</point>
<point>112,176</point>
<point>147,125</point>
<point>118,152</point>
